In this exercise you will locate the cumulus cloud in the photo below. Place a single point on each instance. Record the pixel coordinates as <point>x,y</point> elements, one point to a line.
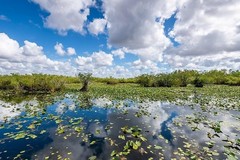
<point>29,58</point>
<point>132,24</point>
<point>119,52</point>
<point>32,49</point>
<point>208,32</point>
<point>59,48</point>
<point>8,47</point>
<point>102,59</point>
<point>222,60</point>
<point>66,15</point>
<point>97,59</point>
<point>71,51</point>
<point>148,66</point>
<point>97,26</point>
<point>82,61</point>
<point>101,65</point>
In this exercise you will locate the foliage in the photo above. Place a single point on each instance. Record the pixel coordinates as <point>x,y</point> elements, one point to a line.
<point>52,83</point>
<point>186,77</point>
<point>32,83</point>
<point>112,81</point>
<point>85,79</point>
<point>198,82</point>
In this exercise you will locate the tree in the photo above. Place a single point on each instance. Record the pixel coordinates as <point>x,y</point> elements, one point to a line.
<point>85,79</point>
<point>198,82</point>
<point>183,79</point>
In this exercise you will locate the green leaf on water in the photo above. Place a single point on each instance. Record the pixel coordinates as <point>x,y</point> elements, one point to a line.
<point>121,137</point>
<point>43,131</point>
<point>97,131</point>
<point>113,153</point>
<point>31,126</point>
<point>78,129</point>
<point>93,142</point>
<point>20,136</point>
<point>60,130</point>
<point>32,136</point>
<point>59,121</point>
<point>92,158</point>
<point>157,147</point>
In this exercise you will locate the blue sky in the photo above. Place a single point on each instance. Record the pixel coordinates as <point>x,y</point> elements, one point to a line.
<point>26,22</point>
<point>66,37</point>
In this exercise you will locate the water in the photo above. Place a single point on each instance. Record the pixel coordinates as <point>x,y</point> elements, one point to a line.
<point>101,129</point>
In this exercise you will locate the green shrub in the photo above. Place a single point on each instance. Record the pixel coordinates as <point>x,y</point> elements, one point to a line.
<point>146,80</point>
<point>112,81</point>
<point>6,85</point>
<point>233,81</point>
<point>198,82</point>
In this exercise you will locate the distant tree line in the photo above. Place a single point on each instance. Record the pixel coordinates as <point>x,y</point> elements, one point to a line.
<point>186,77</point>
<point>52,83</point>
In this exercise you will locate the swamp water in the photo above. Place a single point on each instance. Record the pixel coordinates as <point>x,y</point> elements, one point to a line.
<point>103,129</point>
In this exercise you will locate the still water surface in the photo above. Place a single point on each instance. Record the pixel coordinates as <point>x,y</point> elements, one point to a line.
<point>104,129</point>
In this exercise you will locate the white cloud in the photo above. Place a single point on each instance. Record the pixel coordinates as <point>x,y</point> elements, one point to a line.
<point>66,15</point>
<point>145,66</point>
<point>133,25</point>
<point>82,61</point>
<point>114,71</point>
<point>71,51</point>
<point>223,60</point>
<point>8,47</point>
<point>59,48</point>
<point>102,59</point>
<point>97,26</point>
<point>29,58</point>
<point>120,53</point>
<point>204,29</point>
<point>97,59</point>
<point>32,49</point>
<point>101,65</point>
<point>209,34</point>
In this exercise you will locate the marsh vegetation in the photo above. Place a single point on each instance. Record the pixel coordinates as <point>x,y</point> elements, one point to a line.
<point>163,116</point>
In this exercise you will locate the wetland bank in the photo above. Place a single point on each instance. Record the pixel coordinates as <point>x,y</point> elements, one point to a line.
<point>121,121</point>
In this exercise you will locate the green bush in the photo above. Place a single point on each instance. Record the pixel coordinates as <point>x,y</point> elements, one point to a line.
<point>6,85</point>
<point>112,81</point>
<point>233,81</point>
<point>198,82</point>
<point>146,80</point>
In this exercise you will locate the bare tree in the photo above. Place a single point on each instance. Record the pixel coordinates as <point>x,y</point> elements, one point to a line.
<point>85,79</point>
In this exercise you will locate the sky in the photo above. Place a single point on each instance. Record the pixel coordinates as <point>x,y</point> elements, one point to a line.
<point>119,38</point>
